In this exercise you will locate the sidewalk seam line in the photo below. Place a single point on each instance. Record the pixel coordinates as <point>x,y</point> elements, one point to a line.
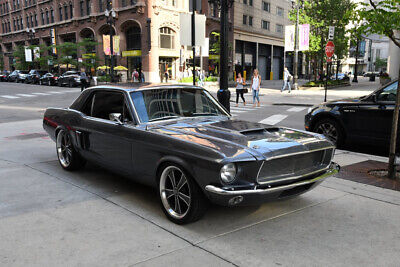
<point>130,211</point>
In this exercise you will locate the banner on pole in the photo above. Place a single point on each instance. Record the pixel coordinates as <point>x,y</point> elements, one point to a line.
<point>53,40</point>
<point>106,45</point>
<point>36,52</point>
<point>28,54</point>
<point>116,41</point>
<point>289,37</point>
<point>304,37</point>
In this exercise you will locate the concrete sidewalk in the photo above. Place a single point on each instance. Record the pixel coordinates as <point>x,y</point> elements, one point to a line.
<point>95,218</point>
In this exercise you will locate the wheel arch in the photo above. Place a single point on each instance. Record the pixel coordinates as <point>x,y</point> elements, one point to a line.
<point>326,115</point>
<point>174,160</point>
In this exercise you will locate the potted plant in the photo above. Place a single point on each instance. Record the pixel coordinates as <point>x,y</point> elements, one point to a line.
<point>384,78</point>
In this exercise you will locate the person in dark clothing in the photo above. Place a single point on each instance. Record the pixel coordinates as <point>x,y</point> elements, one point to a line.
<point>84,81</point>
<point>240,89</point>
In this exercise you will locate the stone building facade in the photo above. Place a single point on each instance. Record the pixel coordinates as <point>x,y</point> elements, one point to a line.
<point>148,29</point>
<point>259,36</point>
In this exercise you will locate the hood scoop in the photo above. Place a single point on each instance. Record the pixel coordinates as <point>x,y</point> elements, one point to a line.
<point>259,131</point>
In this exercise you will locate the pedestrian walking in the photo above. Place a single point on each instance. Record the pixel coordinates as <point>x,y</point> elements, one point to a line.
<point>135,76</point>
<point>286,80</point>
<point>84,81</point>
<point>255,86</point>
<point>166,75</point>
<point>142,76</point>
<point>240,89</point>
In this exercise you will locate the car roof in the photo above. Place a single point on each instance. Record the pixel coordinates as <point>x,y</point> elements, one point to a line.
<point>146,87</point>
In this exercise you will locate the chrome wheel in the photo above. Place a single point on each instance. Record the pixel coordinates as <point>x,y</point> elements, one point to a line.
<point>64,149</point>
<point>329,130</point>
<point>175,192</point>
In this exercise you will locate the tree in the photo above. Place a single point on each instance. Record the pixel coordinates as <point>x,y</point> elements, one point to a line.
<point>19,56</point>
<point>1,61</point>
<point>320,15</point>
<point>67,54</point>
<point>90,60</point>
<point>380,63</point>
<point>42,62</point>
<point>383,17</point>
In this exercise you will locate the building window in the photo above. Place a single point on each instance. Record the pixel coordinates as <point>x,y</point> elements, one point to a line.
<point>26,2</point>
<point>21,21</point>
<point>52,15</point>
<point>133,2</point>
<point>250,21</point>
<point>60,13</point>
<point>266,6</point>
<point>123,3</point>
<point>279,28</point>
<point>133,39</point>
<point>250,2</point>
<point>27,21</point>
<point>66,12</point>
<point>244,19</point>
<point>167,38</point>
<point>47,17</point>
<point>88,7</point>
<point>280,11</point>
<point>71,10</point>
<point>81,8</point>
<point>32,21</point>
<point>42,16</point>
<point>245,2</point>
<point>265,24</point>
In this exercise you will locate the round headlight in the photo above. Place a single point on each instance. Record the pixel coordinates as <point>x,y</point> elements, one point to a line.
<point>228,172</point>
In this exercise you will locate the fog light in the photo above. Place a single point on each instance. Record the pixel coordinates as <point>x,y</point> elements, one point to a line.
<point>235,200</point>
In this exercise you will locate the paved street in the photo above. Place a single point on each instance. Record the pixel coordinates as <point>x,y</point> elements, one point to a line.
<point>96,218</point>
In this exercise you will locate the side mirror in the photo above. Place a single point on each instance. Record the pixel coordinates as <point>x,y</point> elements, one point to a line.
<point>117,117</point>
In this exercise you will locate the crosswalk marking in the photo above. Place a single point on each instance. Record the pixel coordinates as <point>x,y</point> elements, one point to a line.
<point>237,111</point>
<point>25,95</point>
<point>242,108</point>
<point>296,109</point>
<point>274,119</point>
<point>40,94</point>
<point>56,92</point>
<point>9,96</point>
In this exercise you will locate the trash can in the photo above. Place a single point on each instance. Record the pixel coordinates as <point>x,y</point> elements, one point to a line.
<point>372,78</point>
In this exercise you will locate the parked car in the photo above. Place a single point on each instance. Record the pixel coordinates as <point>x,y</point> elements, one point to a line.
<point>4,76</point>
<point>180,140</point>
<point>48,79</point>
<point>34,76</point>
<point>17,75</point>
<point>70,78</point>
<point>340,77</point>
<point>365,119</point>
<point>371,73</point>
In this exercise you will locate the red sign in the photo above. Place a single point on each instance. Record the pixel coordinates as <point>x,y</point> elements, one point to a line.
<point>329,49</point>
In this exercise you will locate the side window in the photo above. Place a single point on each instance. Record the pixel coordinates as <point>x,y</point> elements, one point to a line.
<point>389,93</point>
<point>105,103</point>
<point>87,107</point>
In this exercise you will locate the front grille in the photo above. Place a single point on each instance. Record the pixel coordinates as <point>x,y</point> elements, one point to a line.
<point>294,165</point>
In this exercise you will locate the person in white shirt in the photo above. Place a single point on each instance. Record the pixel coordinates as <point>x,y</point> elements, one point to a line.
<point>255,86</point>
<point>240,89</point>
<point>286,80</point>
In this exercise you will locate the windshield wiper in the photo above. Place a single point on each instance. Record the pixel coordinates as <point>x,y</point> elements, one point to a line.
<point>204,114</point>
<point>164,118</point>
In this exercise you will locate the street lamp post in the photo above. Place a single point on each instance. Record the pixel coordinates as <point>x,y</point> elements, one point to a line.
<point>355,78</point>
<point>31,34</point>
<point>110,15</point>
<point>223,94</point>
<point>297,5</point>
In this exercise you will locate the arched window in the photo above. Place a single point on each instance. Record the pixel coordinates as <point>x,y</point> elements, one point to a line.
<point>133,38</point>
<point>52,15</point>
<point>167,38</point>
<point>66,11</point>
<point>60,13</point>
<point>47,17</point>
<point>71,10</point>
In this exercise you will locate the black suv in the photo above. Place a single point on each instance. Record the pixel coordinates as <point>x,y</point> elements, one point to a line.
<point>34,76</point>
<point>365,119</point>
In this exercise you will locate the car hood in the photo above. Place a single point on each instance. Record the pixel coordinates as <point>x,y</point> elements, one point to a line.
<point>242,139</point>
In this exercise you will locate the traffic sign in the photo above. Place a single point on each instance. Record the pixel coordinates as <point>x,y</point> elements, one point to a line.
<point>331,34</point>
<point>329,49</point>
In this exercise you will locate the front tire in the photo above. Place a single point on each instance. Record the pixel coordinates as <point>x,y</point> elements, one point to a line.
<point>68,157</point>
<point>331,130</point>
<point>181,198</point>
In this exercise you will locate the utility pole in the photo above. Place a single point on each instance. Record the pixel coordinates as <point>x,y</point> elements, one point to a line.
<point>355,78</point>
<point>296,49</point>
<point>194,40</point>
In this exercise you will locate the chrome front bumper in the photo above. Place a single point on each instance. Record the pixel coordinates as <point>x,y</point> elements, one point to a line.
<point>258,195</point>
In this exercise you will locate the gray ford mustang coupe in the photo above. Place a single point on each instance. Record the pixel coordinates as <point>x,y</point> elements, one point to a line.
<point>180,140</point>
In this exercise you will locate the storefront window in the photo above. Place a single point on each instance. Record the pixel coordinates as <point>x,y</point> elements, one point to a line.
<point>133,38</point>
<point>167,38</point>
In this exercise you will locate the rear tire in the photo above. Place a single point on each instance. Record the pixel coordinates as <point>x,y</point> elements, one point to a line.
<point>68,157</point>
<point>70,84</point>
<point>182,200</point>
<point>331,129</point>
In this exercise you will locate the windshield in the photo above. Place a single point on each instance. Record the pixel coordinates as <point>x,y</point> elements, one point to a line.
<point>159,104</point>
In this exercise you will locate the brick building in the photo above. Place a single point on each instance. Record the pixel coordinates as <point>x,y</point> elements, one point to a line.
<point>148,30</point>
